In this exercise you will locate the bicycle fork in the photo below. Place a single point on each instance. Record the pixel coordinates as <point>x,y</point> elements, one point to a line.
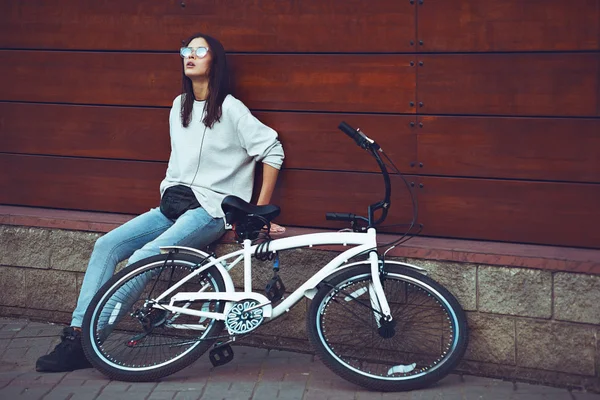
<point>378,300</point>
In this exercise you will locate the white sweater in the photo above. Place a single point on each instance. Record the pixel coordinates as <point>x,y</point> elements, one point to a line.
<point>219,161</point>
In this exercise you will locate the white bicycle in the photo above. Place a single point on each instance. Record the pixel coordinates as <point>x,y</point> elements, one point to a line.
<point>381,324</point>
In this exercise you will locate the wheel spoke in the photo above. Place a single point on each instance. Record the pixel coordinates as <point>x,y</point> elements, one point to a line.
<point>143,342</point>
<point>419,339</point>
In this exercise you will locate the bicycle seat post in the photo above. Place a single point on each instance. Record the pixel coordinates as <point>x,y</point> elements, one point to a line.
<point>247,265</point>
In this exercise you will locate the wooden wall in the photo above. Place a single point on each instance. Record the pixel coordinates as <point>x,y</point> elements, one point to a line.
<point>491,107</point>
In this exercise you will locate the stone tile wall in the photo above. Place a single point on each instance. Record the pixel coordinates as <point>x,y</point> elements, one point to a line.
<point>526,324</point>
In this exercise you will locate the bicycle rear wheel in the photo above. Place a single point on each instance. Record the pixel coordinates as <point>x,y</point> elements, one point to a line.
<point>423,343</point>
<point>127,339</point>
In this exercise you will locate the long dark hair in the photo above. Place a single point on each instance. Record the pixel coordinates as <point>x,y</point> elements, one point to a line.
<point>218,84</point>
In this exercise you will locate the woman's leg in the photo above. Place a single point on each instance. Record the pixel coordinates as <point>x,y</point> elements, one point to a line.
<point>114,247</point>
<point>109,250</point>
<point>195,228</point>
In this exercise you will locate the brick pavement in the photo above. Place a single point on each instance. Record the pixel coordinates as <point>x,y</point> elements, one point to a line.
<point>255,374</point>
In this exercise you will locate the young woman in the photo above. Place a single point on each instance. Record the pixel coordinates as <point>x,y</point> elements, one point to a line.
<point>215,144</point>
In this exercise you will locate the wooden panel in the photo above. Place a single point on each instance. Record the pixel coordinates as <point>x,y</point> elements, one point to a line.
<point>361,83</point>
<point>132,187</point>
<point>513,211</point>
<point>305,197</point>
<point>289,82</point>
<point>241,25</point>
<point>500,25</point>
<point>312,141</point>
<point>80,184</point>
<point>523,148</point>
<point>509,84</point>
<point>90,78</point>
<point>85,131</point>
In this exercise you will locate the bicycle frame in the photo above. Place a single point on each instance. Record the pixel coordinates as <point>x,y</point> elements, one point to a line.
<point>364,242</point>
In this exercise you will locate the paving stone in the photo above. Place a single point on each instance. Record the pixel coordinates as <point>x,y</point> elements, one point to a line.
<point>119,396</point>
<point>3,344</point>
<point>317,393</point>
<point>267,390</point>
<point>24,247</point>
<point>59,317</point>
<point>33,393</point>
<point>116,387</point>
<point>524,388</point>
<point>215,390</point>
<point>163,395</point>
<point>459,278</point>
<point>178,386</point>
<point>289,391</point>
<point>556,346</point>
<point>187,395</point>
<point>392,396</point>
<point>39,378</point>
<point>515,291</point>
<point>304,377</point>
<point>539,396</point>
<point>11,392</point>
<point>240,391</point>
<point>579,395</point>
<point>36,329</point>
<point>72,393</point>
<point>491,338</point>
<point>431,393</point>
<point>27,342</point>
<point>7,377</point>
<point>577,297</point>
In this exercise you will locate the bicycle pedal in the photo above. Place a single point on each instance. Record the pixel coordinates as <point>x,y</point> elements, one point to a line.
<point>275,289</point>
<point>221,355</point>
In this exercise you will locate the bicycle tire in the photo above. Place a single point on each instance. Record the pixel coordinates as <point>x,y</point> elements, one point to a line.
<point>407,362</point>
<point>119,361</point>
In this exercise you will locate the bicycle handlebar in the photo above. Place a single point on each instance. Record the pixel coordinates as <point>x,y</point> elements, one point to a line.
<point>351,132</point>
<point>368,144</point>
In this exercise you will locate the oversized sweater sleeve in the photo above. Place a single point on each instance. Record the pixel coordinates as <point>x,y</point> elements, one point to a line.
<point>260,141</point>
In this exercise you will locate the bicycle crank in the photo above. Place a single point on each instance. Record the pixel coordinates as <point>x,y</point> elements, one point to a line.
<point>244,317</point>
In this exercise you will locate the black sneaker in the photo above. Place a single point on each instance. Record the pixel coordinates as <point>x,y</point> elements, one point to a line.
<point>67,355</point>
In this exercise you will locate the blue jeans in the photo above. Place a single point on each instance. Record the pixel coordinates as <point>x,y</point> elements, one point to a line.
<point>140,238</point>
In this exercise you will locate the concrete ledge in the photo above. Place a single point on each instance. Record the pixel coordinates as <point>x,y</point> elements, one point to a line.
<point>552,258</point>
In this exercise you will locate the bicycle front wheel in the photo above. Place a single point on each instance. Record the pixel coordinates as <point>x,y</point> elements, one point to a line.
<point>127,339</point>
<point>425,340</point>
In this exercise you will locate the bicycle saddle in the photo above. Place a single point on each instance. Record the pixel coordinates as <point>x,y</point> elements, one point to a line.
<point>237,209</point>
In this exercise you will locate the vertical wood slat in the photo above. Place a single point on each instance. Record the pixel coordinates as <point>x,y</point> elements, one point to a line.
<point>341,83</point>
<point>510,84</point>
<point>562,214</point>
<point>344,83</point>
<point>81,183</point>
<point>313,141</point>
<point>241,25</point>
<point>130,133</point>
<point>305,197</point>
<point>560,149</point>
<point>498,25</point>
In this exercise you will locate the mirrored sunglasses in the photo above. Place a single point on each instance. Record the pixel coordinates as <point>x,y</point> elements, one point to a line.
<point>200,52</point>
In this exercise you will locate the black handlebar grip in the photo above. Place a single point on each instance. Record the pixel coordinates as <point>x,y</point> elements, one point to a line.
<point>350,131</point>
<point>340,216</point>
